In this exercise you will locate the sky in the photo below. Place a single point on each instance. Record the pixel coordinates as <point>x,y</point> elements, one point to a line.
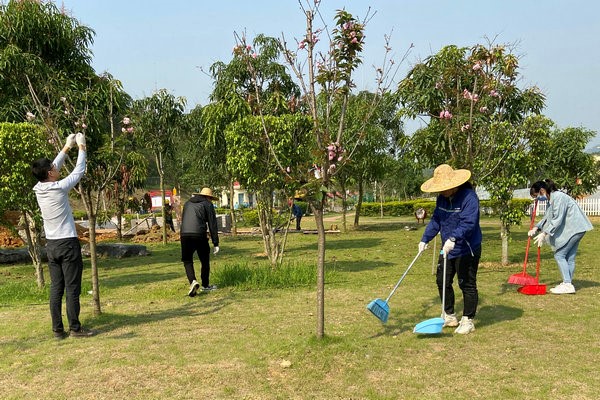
<point>158,44</point>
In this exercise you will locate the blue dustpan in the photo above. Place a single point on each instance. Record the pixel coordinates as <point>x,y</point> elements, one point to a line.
<point>431,326</point>
<point>434,326</point>
<point>380,309</point>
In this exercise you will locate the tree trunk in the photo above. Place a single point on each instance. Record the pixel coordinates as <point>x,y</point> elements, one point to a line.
<point>504,235</point>
<point>318,210</point>
<point>94,262</point>
<point>359,202</point>
<point>32,232</point>
<point>344,206</point>
<point>231,209</point>
<point>119,225</point>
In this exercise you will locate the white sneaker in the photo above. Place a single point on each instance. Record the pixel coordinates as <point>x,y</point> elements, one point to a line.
<point>466,326</point>
<point>194,286</point>
<point>450,320</point>
<point>563,288</point>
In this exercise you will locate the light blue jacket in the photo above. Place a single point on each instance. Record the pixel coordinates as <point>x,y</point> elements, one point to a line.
<point>563,219</point>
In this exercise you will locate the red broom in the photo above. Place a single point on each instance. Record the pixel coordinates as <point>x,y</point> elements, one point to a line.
<point>523,278</point>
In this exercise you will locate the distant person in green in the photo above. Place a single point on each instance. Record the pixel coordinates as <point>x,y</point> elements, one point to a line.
<point>563,226</point>
<point>197,222</point>
<point>62,244</point>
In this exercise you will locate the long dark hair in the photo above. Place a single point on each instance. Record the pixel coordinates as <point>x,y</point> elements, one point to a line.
<point>547,184</point>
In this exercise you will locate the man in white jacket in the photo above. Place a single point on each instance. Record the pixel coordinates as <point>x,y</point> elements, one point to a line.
<point>62,245</point>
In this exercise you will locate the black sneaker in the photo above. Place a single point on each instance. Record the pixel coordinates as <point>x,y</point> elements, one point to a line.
<point>194,286</point>
<point>60,335</point>
<point>209,288</point>
<point>82,332</point>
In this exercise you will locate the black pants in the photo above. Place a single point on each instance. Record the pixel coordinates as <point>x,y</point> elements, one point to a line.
<point>465,268</point>
<point>66,266</point>
<point>169,222</point>
<point>298,219</point>
<point>199,245</point>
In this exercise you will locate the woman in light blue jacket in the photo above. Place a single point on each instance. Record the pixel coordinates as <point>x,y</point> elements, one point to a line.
<point>563,226</point>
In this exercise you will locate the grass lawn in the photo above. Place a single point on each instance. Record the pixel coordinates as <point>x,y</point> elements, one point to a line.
<point>256,339</point>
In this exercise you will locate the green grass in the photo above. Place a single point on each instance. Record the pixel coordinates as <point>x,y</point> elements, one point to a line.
<point>254,338</point>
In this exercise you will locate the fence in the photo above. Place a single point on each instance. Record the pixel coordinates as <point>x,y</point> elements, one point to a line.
<point>588,206</point>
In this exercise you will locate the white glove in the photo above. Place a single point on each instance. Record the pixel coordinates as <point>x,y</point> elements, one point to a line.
<point>422,246</point>
<point>532,232</point>
<point>539,239</point>
<point>71,142</point>
<point>216,250</point>
<point>80,138</point>
<point>448,246</point>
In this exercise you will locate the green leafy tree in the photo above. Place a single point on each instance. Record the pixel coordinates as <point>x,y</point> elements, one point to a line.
<point>159,120</point>
<point>567,163</point>
<point>249,158</point>
<point>20,144</point>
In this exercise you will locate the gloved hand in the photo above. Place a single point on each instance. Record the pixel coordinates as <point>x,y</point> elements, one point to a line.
<point>448,246</point>
<point>216,250</point>
<point>80,138</point>
<point>422,246</point>
<point>532,232</point>
<point>71,142</point>
<point>539,239</point>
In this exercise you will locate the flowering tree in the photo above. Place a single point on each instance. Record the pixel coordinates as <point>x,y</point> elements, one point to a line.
<point>479,119</point>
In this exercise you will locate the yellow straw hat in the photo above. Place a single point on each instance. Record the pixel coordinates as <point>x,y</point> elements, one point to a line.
<point>444,178</point>
<point>207,192</point>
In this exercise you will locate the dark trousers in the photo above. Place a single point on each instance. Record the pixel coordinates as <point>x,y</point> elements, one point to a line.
<point>66,266</point>
<point>169,222</point>
<point>465,267</point>
<point>199,245</point>
<point>298,219</point>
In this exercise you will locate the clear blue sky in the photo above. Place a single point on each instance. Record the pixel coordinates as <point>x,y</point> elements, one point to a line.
<point>154,44</point>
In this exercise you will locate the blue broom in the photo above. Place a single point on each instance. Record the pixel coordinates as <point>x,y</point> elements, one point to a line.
<point>380,308</point>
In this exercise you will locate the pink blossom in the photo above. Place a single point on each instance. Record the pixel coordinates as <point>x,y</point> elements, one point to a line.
<point>254,55</point>
<point>354,40</point>
<point>30,116</point>
<point>126,121</point>
<point>123,129</point>
<point>438,85</point>
<point>248,47</point>
<point>331,147</point>
<point>288,170</point>
<point>465,127</point>
<point>331,155</point>
<point>477,66</point>
<point>442,114</point>
<point>83,125</point>
<point>447,115</point>
<point>494,93</point>
<point>340,158</point>
<point>302,44</point>
<point>483,109</point>
<point>130,129</point>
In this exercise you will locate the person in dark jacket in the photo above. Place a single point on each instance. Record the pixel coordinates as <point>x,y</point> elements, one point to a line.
<point>456,218</point>
<point>198,219</point>
<point>297,214</point>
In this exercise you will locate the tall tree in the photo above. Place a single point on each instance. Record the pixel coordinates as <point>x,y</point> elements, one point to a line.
<point>159,120</point>
<point>476,114</point>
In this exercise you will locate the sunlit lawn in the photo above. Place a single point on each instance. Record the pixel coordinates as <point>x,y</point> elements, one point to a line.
<point>244,342</point>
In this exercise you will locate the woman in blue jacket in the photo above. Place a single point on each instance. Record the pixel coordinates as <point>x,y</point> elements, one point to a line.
<point>563,226</point>
<point>456,218</point>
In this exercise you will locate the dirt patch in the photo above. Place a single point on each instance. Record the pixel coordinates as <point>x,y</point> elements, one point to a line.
<point>9,240</point>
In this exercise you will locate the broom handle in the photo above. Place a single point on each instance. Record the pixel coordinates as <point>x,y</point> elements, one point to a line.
<point>529,237</point>
<point>403,275</point>
<point>537,266</point>
<point>444,286</point>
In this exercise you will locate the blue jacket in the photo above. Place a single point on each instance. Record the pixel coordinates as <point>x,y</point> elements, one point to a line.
<point>457,217</point>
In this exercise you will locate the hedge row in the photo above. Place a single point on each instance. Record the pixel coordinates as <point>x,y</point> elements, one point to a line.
<point>404,208</point>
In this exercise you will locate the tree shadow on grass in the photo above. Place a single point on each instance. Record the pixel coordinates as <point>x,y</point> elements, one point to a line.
<point>390,226</point>
<point>113,282</point>
<point>108,322</point>
<point>357,265</point>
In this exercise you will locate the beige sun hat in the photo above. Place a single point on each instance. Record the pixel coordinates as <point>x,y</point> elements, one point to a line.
<point>444,178</point>
<point>207,192</point>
